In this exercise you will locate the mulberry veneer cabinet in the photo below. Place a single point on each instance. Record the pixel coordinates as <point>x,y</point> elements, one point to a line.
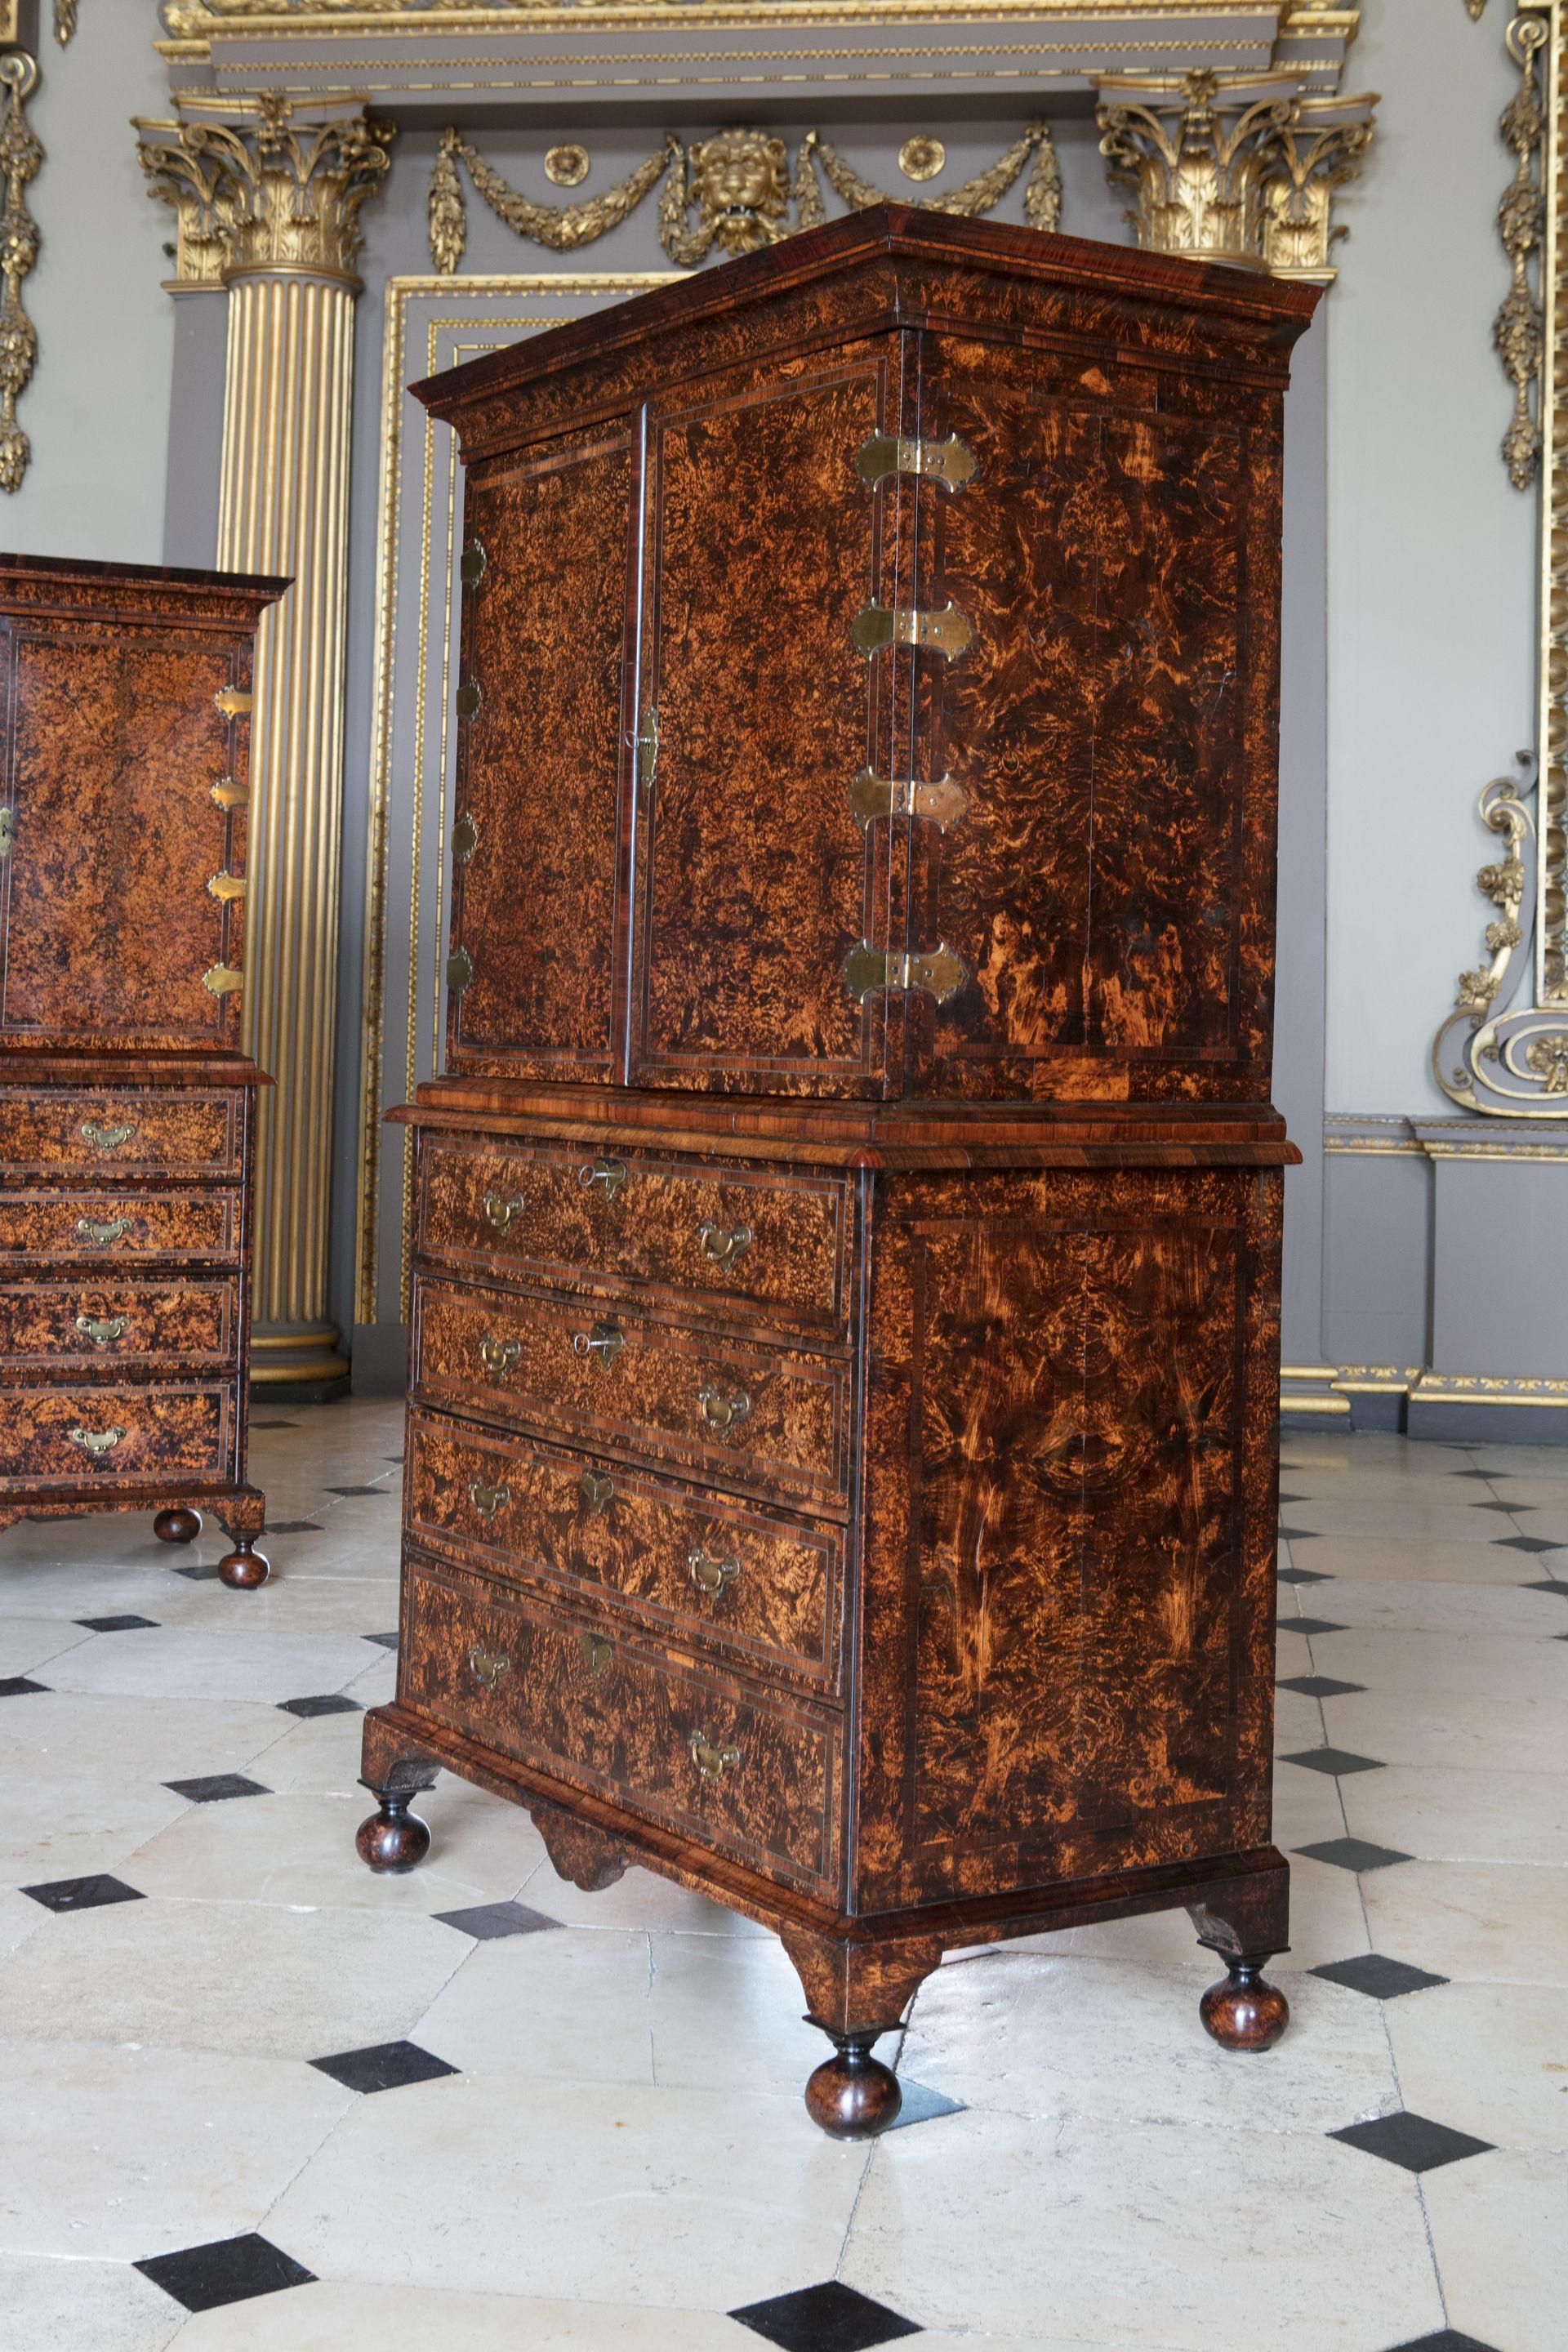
<point>844,1360</point>
<point>127,1110</point>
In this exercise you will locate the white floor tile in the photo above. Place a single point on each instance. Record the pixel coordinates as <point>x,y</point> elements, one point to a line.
<point>1502,2249</point>
<point>54,2306</point>
<point>1491,2060</point>
<point>1508,1925</point>
<point>338,2316</point>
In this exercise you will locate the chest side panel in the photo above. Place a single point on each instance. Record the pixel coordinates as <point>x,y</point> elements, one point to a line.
<point>537,844</point>
<point>755,880</point>
<point>1072,1562</point>
<point>110,928</point>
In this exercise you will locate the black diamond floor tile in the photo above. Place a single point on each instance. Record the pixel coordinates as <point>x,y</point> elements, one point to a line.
<point>18,1685</point>
<point>214,1786</point>
<point>1525,1543</point>
<point>1547,1584</point>
<point>1300,1535</point>
<point>1335,1761</point>
<point>1319,1686</point>
<point>1354,1854</point>
<point>83,1893</point>
<point>488,1920</point>
<point>294,1528</point>
<point>1290,1498</point>
<point>1521,1508</point>
<point>1302,1576</point>
<point>275,1424</point>
<point>384,1491</point>
<point>385,1641</point>
<point>918,2104</point>
<point>828,2318</point>
<point>326,1703</point>
<point>1378,1977</point>
<point>1413,2142</point>
<point>1470,1474</point>
<point>391,1457</point>
<point>199,1572</point>
<point>231,2269</point>
<point>1309,1625</point>
<point>1446,2339</point>
<point>115,1624</point>
<point>385,2066</point>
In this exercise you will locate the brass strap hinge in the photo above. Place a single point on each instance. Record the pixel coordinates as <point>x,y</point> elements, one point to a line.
<point>223,980</point>
<point>938,972</point>
<point>233,702</point>
<point>460,971</point>
<point>873,796</point>
<point>230,795</point>
<point>877,626</point>
<point>227,886</point>
<point>949,462</point>
<point>474,564</point>
<point>468,698</point>
<point>8,831</point>
<point>465,839</point>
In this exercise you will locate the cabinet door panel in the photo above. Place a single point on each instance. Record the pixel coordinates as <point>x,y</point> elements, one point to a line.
<point>754,879</point>
<point>535,897</point>
<point>107,925</point>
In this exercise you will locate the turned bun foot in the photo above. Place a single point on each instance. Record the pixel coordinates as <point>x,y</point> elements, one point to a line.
<point>1245,2012</point>
<point>177,1527</point>
<point>244,1567</point>
<point>393,1839</point>
<point>852,2095</point>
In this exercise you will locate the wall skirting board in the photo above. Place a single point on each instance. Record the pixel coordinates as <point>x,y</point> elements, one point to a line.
<point>1445,1283</point>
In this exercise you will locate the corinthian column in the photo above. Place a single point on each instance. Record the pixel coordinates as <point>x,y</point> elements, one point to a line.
<point>275,203</point>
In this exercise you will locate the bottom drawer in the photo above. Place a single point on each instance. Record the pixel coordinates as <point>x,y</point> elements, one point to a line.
<point>64,1436</point>
<point>743,1777</point>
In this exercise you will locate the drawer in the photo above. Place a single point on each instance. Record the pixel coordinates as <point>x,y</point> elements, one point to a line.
<point>112,1225</point>
<point>82,1131</point>
<point>750,1778</point>
<point>96,1323</point>
<point>75,1436</point>
<point>776,1245</point>
<point>768,1419</point>
<point>738,1583</point>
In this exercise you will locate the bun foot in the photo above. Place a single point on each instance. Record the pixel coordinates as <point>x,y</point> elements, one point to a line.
<point>393,1839</point>
<point>177,1525</point>
<point>244,1567</point>
<point>1245,2012</point>
<point>852,2095</point>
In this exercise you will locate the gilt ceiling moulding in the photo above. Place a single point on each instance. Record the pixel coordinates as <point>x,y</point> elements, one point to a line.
<point>1503,1048</point>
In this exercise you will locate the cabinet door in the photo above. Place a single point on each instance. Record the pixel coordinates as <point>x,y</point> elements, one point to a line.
<point>537,872</point>
<point>754,879</point>
<point>108,928</point>
<point>1098,885</point>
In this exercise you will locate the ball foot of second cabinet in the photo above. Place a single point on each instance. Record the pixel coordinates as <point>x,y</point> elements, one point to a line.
<point>177,1527</point>
<point>852,2095</point>
<point>393,1840</point>
<point>244,1567</point>
<point>1244,2012</point>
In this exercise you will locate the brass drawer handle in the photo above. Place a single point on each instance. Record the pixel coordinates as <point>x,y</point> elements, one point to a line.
<point>105,1139</point>
<point>103,1235</point>
<point>96,1441</point>
<point>712,1762</point>
<point>603,1343</point>
<point>597,1654</point>
<point>500,1212</point>
<point>498,1356</point>
<point>598,1492</point>
<point>610,1173</point>
<point>105,1331</point>
<point>488,1665</point>
<point>488,1500</point>
<point>722,1413</point>
<point>723,1247</point>
<point>709,1575</point>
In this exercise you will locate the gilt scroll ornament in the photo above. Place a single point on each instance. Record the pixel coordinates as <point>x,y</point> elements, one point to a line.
<point>274,192</point>
<point>21,157</point>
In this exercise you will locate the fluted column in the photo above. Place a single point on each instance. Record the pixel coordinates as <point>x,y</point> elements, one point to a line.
<point>279,201</point>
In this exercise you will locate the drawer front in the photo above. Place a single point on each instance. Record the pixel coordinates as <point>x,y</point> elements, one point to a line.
<point>80,1436</point>
<point>117,1226</point>
<point>758,1591</point>
<point>80,1131</point>
<point>749,1239</point>
<point>753,1779</point>
<point>80,1323</point>
<point>774,1420</point>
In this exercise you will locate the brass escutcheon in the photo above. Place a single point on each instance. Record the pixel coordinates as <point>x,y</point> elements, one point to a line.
<point>502,1213</point>
<point>488,1500</point>
<point>723,1247</point>
<point>710,1761</point>
<point>95,1442</point>
<point>103,1235</point>
<point>102,1331</point>
<point>488,1665</point>
<point>106,1139</point>
<point>709,1575</point>
<point>603,1343</point>
<point>610,1173</point>
<point>722,1413</point>
<point>598,1492</point>
<point>498,1356</point>
<point>597,1652</point>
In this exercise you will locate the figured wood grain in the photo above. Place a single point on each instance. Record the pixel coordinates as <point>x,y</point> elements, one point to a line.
<point>167,1433</point>
<point>167,1225</point>
<point>130,1132</point>
<point>162,1323</point>
<point>626,1542</point>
